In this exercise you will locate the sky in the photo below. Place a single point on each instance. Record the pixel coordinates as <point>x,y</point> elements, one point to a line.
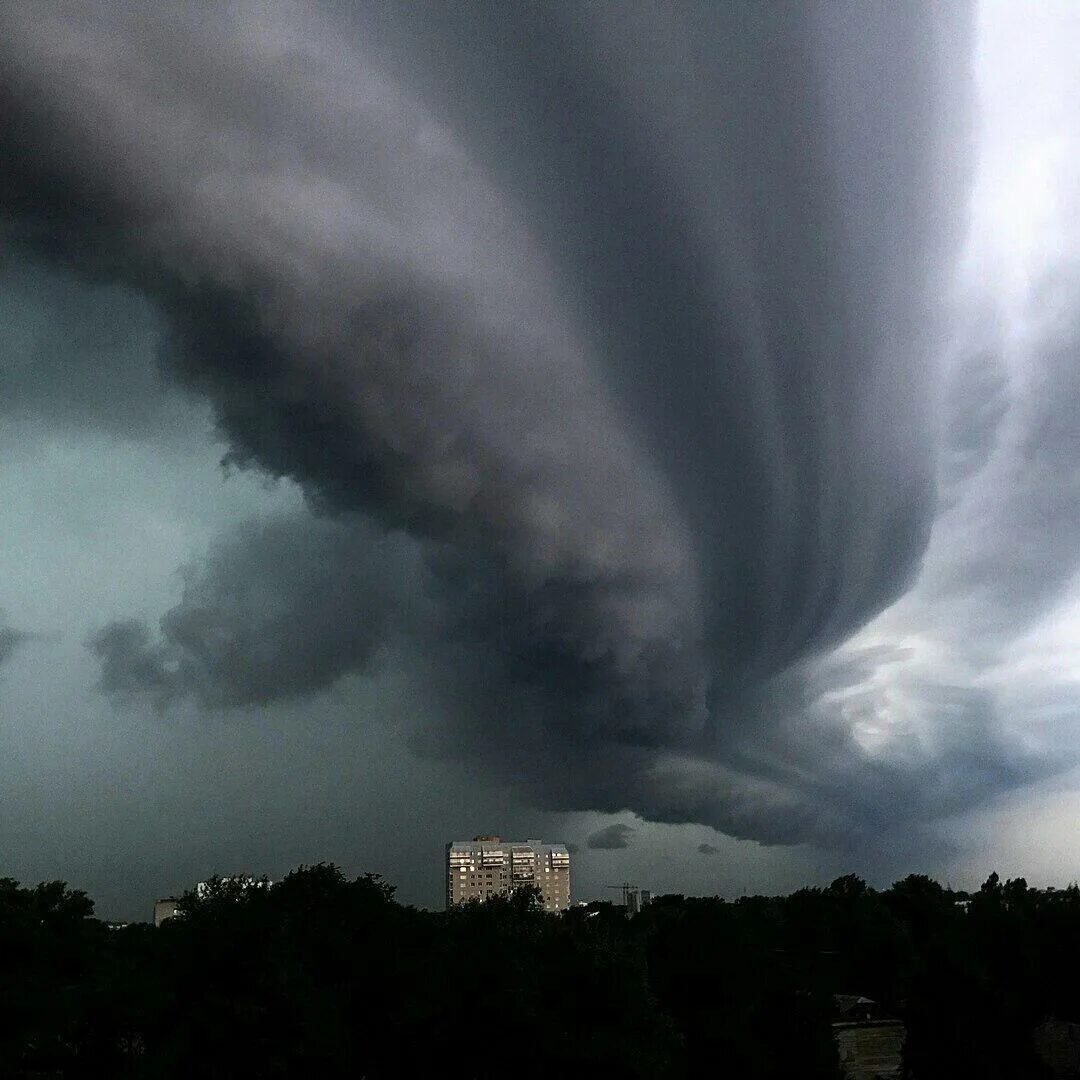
<point>654,428</point>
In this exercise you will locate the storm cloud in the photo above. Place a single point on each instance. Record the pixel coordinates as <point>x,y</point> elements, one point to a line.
<point>10,640</point>
<point>245,633</point>
<point>610,838</point>
<point>627,362</point>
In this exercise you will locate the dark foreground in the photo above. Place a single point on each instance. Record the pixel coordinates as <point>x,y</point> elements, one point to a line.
<point>324,977</point>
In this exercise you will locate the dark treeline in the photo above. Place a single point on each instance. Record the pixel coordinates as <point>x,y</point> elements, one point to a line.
<point>327,977</point>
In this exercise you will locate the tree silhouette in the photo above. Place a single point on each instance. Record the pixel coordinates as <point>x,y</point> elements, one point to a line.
<point>329,976</point>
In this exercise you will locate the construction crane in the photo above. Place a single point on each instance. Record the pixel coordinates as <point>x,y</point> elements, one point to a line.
<point>629,895</point>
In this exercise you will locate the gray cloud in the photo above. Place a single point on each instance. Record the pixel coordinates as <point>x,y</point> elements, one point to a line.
<point>131,664</point>
<point>361,392</point>
<point>637,342</point>
<point>1022,504</point>
<point>707,849</point>
<point>277,609</point>
<point>11,640</point>
<point>699,240</point>
<point>610,838</point>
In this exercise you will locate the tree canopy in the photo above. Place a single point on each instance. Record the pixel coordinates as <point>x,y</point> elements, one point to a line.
<point>325,975</point>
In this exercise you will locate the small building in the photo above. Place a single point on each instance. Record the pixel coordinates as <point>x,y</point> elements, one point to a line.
<point>853,1007</point>
<point>165,908</point>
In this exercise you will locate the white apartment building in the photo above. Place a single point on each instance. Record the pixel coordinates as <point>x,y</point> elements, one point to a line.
<point>487,866</point>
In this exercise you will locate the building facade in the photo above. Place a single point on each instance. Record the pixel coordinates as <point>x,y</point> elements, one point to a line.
<point>165,908</point>
<point>487,866</point>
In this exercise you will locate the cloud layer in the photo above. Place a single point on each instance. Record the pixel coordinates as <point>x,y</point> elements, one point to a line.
<point>612,353</point>
<point>246,634</point>
<point>610,838</point>
<point>10,640</point>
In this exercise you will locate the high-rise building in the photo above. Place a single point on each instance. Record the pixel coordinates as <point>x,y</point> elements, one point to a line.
<point>165,908</point>
<point>634,899</point>
<point>486,866</point>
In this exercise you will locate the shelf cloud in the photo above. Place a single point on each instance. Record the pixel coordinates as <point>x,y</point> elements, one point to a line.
<point>655,379</point>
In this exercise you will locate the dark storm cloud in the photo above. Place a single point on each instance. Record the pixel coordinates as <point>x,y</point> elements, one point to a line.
<point>747,248</point>
<point>277,609</point>
<point>814,778</point>
<point>11,640</point>
<point>707,849</point>
<point>635,544</point>
<point>610,838</point>
<point>386,383</point>
<point>132,665</point>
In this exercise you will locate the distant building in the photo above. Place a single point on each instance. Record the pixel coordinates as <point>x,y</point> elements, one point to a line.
<point>853,1007</point>
<point>168,906</point>
<point>633,898</point>
<point>486,866</point>
<point>165,908</point>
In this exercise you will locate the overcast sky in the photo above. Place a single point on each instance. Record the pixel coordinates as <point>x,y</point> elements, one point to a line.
<point>651,427</point>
